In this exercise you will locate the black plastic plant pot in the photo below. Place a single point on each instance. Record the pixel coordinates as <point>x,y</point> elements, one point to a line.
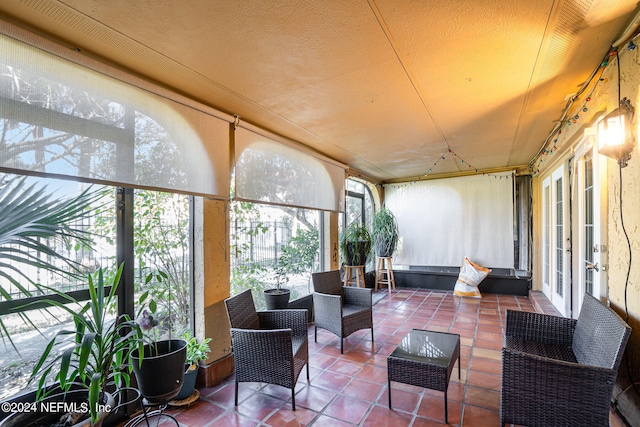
<point>161,375</point>
<point>384,248</point>
<point>356,253</point>
<point>276,299</point>
<point>189,384</point>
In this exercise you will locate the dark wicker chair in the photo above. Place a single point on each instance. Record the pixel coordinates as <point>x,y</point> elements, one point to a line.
<point>268,346</point>
<point>340,309</point>
<point>558,371</point>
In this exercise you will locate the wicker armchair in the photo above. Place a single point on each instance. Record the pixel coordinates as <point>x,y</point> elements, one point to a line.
<point>340,309</point>
<point>558,371</point>
<point>268,346</point>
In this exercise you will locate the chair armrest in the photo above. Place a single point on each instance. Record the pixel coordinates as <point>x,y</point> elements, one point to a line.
<point>546,377</point>
<point>326,307</point>
<point>530,383</point>
<point>251,344</point>
<point>357,296</point>
<point>540,327</point>
<point>294,319</point>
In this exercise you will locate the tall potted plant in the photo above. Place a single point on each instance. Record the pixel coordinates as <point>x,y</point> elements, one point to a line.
<point>97,360</point>
<point>355,244</point>
<point>166,356</point>
<point>384,232</point>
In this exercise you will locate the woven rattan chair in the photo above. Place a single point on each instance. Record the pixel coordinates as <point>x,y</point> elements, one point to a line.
<point>340,309</point>
<point>268,346</point>
<point>558,371</point>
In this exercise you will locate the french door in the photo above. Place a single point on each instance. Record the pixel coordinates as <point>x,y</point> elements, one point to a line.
<point>556,283</point>
<point>589,216</point>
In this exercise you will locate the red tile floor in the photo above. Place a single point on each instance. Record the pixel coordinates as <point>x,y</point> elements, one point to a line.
<point>351,389</point>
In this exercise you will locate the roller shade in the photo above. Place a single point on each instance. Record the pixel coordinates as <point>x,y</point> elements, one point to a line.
<point>272,171</point>
<point>443,220</point>
<point>65,115</point>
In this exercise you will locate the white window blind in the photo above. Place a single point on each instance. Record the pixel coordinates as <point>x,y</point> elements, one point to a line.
<point>272,171</point>
<point>442,221</point>
<point>64,115</point>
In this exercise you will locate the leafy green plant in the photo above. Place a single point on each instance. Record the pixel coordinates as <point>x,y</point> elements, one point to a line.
<point>196,350</point>
<point>99,356</point>
<point>355,243</point>
<point>34,225</point>
<point>301,253</point>
<point>161,249</point>
<point>384,232</point>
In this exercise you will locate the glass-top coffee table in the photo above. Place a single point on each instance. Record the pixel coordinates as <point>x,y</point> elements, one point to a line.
<point>425,359</point>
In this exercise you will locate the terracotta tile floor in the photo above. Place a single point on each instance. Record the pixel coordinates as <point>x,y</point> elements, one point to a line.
<point>351,389</point>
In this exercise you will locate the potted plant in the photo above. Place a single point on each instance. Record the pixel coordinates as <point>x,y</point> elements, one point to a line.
<point>384,232</point>
<point>196,353</point>
<point>166,356</point>
<point>355,244</point>
<point>95,362</point>
<point>278,298</point>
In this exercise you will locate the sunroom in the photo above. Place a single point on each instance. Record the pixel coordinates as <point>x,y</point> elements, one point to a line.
<point>220,147</point>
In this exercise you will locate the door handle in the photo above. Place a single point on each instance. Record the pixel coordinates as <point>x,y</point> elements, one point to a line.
<point>591,266</point>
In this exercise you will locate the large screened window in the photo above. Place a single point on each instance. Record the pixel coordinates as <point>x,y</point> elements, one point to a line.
<point>359,209</point>
<point>273,245</point>
<point>280,191</point>
<point>27,275</point>
<point>65,116</point>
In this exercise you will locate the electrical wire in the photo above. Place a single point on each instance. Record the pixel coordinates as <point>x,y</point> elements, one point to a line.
<point>626,283</point>
<point>630,250</point>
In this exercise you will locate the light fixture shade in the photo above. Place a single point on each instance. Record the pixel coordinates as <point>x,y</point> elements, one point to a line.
<point>614,133</point>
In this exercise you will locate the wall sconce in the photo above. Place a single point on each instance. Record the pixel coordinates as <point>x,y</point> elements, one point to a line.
<point>615,138</point>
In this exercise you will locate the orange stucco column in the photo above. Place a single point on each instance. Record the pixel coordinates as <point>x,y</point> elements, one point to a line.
<point>212,285</point>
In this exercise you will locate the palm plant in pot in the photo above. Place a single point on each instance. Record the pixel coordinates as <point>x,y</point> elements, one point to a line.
<point>94,363</point>
<point>355,244</point>
<point>384,232</point>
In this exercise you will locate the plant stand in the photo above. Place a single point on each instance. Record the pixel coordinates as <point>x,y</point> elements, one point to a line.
<point>145,415</point>
<point>384,276</point>
<point>354,275</point>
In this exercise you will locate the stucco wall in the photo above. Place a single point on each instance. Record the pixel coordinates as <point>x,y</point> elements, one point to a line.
<point>623,294</point>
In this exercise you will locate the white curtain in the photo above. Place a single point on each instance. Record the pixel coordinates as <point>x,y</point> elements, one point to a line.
<point>269,170</point>
<point>442,221</point>
<point>64,115</point>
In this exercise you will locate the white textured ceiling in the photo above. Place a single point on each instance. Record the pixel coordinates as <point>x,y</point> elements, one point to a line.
<point>384,86</point>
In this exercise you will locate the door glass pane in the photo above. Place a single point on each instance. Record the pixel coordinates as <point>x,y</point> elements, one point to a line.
<point>588,224</point>
<point>559,249</point>
<point>547,235</point>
